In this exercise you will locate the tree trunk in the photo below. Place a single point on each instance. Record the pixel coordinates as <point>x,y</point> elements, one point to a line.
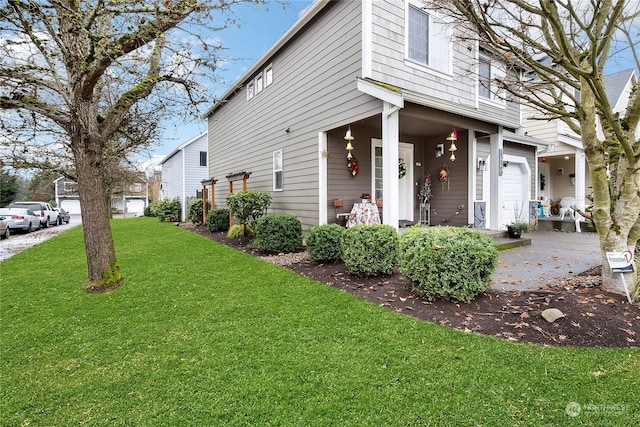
<point>95,208</point>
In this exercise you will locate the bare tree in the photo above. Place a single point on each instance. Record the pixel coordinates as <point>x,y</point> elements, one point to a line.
<point>84,81</point>
<point>555,52</point>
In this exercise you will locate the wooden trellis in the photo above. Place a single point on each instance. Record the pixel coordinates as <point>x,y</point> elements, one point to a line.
<point>208,195</point>
<point>244,176</point>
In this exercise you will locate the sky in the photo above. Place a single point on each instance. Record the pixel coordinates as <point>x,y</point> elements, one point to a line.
<point>260,28</point>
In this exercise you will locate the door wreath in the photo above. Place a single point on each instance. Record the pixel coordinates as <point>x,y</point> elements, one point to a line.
<point>443,176</point>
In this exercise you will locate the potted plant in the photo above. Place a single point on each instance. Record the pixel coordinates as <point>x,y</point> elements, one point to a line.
<point>516,229</point>
<point>365,197</point>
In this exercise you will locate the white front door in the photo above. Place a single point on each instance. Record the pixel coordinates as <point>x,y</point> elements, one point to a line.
<point>405,184</point>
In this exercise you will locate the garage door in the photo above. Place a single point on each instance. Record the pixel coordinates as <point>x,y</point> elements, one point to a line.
<point>515,200</point>
<point>135,206</point>
<point>71,206</point>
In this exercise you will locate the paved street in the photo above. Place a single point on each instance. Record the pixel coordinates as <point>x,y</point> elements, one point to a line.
<point>19,241</point>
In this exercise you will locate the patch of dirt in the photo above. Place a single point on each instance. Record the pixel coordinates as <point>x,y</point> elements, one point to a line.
<point>593,318</point>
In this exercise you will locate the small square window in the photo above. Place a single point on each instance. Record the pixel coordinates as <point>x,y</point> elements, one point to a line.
<point>203,158</point>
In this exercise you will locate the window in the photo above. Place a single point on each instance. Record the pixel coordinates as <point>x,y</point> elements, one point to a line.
<point>277,170</point>
<point>490,77</point>
<point>203,158</point>
<point>250,91</point>
<point>70,186</point>
<point>484,76</point>
<point>428,40</point>
<point>259,84</point>
<point>268,76</point>
<point>135,188</point>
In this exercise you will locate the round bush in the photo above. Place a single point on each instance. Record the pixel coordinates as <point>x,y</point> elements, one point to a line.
<point>218,220</point>
<point>447,262</point>
<point>323,242</point>
<point>278,233</point>
<point>370,250</point>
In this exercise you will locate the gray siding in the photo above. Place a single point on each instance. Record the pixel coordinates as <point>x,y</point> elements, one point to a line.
<point>456,93</point>
<point>313,90</point>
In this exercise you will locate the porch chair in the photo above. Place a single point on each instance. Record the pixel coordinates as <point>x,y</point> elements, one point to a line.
<point>565,207</point>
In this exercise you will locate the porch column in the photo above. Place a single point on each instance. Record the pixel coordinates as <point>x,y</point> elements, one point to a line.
<point>390,141</point>
<point>495,179</point>
<point>580,179</point>
<point>323,154</point>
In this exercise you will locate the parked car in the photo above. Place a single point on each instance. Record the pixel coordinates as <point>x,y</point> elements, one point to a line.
<point>48,216</point>
<point>4,228</point>
<point>21,219</point>
<point>63,216</point>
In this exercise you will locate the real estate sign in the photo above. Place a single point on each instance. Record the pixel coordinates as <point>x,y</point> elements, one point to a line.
<point>620,262</point>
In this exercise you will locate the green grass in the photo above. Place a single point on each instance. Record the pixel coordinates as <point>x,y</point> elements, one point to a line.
<point>201,334</point>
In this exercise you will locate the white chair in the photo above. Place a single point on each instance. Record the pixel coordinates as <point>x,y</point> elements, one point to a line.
<point>565,207</point>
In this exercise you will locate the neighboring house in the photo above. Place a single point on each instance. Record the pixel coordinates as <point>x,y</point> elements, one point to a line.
<point>183,171</point>
<point>130,200</point>
<point>394,76</point>
<point>563,170</point>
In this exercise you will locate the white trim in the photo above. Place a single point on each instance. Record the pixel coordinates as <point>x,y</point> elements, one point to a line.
<point>367,39</point>
<point>394,98</point>
<point>274,170</point>
<point>323,175</point>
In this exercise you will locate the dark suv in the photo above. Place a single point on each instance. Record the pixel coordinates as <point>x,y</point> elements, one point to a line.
<point>48,216</point>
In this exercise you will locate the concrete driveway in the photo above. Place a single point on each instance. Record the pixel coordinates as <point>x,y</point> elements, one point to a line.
<point>552,256</point>
<point>20,241</point>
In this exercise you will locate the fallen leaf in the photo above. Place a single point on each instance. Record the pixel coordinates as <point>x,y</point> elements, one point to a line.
<point>588,313</point>
<point>629,331</point>
<point>402,299</point>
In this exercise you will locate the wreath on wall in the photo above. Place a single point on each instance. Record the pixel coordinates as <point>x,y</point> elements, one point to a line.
<point>352,165</point>
<point>402,168</point>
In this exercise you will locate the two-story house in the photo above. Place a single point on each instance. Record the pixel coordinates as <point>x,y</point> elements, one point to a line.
<point>393,76</point>
<point>563,170</point>
<point>183,170</point>
<point>129,198</point>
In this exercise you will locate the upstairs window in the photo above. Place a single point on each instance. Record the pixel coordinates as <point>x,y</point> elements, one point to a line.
<point>268,76</point>
<point>490,76</point>
<point>250,91</point>
<point>203,158</point>
<point>277,170</point>
<point>70,187</point>
<point>135,188</point>
<point>428,40</point>
<point>259,84</point>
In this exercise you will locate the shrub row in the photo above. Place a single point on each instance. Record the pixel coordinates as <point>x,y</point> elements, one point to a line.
<point>441,262</point>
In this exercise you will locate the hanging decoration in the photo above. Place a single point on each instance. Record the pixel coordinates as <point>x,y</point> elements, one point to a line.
<point>349,147</point>
<point>402,168</point>
<point>352,165</point>
<point>425,193</point>
<point>443,174</point>
<point>452,148</point>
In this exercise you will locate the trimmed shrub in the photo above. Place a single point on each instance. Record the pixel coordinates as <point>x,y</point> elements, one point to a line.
<point>167,209</point>
<point>278,233</point>
<point>323,242</point>
<point>370,250</point>
<point>148,211</point>
<point>218,220</point>
<point>447,262</point>
<point>195,211</point>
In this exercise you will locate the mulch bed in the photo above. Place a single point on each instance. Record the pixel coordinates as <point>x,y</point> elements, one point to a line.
<point>593,318</point>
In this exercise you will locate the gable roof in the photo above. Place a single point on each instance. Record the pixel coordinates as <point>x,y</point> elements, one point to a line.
<point>307,16</point>
<point>182,147</point>
<point>615,83</point>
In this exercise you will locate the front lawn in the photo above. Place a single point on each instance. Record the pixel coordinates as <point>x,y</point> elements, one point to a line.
<point>201,334</point>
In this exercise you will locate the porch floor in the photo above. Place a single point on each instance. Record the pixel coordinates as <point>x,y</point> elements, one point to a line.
<point>554,223</point>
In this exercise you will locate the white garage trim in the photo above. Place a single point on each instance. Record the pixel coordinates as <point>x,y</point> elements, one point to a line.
<point>71,205</point>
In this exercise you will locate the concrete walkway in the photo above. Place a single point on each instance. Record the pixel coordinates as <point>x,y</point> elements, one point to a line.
<point>551,256</point>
